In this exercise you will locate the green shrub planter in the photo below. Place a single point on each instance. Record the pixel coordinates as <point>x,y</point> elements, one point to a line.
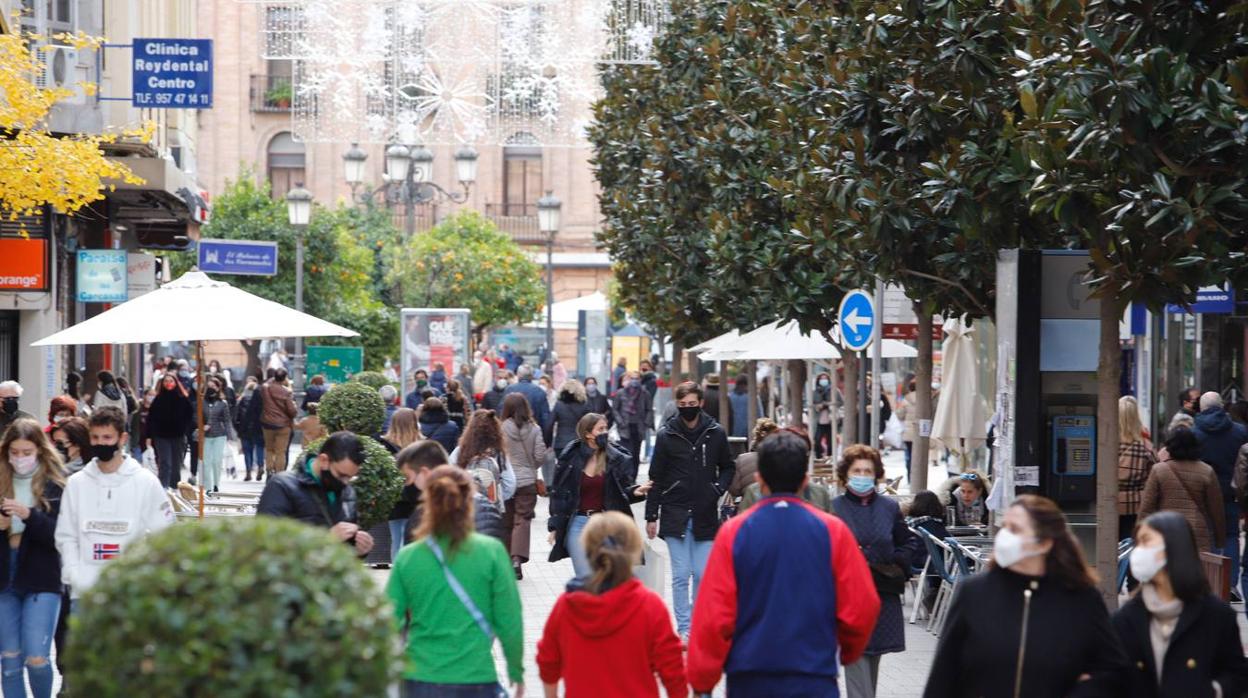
<point>373,379</point>
<point>353,407</point>
<point>233,609</point>
<point>378,486</point>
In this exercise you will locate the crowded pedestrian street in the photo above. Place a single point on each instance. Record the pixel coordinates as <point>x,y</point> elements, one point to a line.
<point>623,349</point>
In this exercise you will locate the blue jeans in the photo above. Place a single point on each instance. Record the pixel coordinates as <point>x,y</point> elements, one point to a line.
<point>689,558</point>
<point>253,454</point>
<point>421,689</point>
<point>1231,549</point>
<point>576,551</point>
<point>398,527</point>
<point>27,623</point>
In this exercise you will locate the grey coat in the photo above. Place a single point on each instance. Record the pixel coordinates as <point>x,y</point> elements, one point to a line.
<point>526,451</point>
<point>217,419</point>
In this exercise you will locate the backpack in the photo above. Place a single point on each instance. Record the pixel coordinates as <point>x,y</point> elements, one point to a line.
<point>486,485</point>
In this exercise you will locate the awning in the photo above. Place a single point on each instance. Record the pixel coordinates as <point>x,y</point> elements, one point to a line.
<point>163,211</point>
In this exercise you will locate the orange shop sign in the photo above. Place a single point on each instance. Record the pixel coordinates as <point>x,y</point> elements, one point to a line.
<point>23,264</point>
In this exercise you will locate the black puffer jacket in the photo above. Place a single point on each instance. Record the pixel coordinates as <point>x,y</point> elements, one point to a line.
<point>294,494</point>
<point>1204,647</point>
<point>38,564</point>
<point>565,494</point>
<point>691,470</point>
<point>437,425</point>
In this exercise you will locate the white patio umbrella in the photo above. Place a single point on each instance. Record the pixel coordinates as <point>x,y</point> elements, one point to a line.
<point>782,341</point>
<point>959,424</point>
<point>195,308</point>
<point>715,343</point>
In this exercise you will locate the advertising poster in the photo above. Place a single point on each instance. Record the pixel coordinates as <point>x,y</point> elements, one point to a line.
<point>102,276</point>
<point>433,335</point>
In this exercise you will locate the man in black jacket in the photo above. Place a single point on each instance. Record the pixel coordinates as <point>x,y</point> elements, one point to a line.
<point>691,469</point>
<point>320,493</point>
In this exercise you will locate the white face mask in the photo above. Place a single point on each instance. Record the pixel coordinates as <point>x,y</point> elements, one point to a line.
<point>1146,562</point>
<point>1007,548</point>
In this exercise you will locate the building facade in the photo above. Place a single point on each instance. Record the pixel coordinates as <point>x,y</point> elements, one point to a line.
<point>162,213</point>
<point>249,130</point>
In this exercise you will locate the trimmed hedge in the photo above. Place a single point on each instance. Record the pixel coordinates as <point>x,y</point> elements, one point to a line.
<point>353,407</point>
<point>378,486</point>
<point>373,379</point>
<point>233,608</point>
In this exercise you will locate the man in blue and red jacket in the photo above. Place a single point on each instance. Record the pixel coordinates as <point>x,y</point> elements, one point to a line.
<point>785,588</point>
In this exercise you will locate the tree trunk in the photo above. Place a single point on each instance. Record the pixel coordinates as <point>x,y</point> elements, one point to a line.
<point>751,375</point>
<point>678,350</point>
<point>694,365</point>
<point>797,393</point>
<point>723,397</point>
<point>849,429</point>
<point>1109,369</point>
<point>252,349</point>
<point>923,394</point>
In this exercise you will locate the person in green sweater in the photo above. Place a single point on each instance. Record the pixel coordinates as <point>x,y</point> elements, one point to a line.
<point>453,592</point>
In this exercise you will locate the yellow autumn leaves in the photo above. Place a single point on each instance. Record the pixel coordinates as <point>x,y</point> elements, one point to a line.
<point>38,167</point>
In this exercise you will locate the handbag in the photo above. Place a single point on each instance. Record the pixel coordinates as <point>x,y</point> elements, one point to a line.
<point>889,577</point>
<point>727,507</point>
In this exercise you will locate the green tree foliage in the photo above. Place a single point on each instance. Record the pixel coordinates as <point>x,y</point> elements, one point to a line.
<point>136,636</point>
<point>466,262</point>
<point>342,278</point>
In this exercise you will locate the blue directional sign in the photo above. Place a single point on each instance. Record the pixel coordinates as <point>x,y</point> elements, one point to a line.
<point>857,320</point>
<point>245,257</point>
<point>1209,299</point>
<point>172,73</point>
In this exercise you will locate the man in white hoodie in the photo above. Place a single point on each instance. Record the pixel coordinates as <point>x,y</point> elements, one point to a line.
<point>110,503</point>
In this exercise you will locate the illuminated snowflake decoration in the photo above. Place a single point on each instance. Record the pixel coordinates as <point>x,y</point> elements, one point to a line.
<point>453,71</point>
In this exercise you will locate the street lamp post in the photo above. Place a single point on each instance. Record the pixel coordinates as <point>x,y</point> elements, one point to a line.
<point>409,177</point>
<point>299,211</point>
<point>548,222</point>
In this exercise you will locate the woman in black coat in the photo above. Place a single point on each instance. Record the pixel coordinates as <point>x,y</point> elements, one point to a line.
<point>568,411</point>
<point>589,468</point>
<point>597,401</point>
<point>1034,624</point>
<point>1174,617</point>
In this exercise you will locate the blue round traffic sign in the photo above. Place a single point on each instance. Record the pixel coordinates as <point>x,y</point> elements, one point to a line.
<point>857,320</point>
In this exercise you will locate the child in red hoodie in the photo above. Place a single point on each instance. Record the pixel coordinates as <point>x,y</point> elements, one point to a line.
<point>610,636</point>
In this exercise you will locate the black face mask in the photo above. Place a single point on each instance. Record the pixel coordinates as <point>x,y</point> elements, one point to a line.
<point>689,412</point>
<point>601,441</point>
<point>104,452</point>
<point>331,483</point>
<point>211,393</point>
<point>63,449</point>
<point>10,405</point>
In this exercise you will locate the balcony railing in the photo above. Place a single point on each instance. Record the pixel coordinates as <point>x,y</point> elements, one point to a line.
<point>517,220</point>
<point>271,93</point>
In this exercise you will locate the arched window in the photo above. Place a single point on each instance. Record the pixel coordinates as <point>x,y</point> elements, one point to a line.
<point>522,175</point>
<point>286,161</point>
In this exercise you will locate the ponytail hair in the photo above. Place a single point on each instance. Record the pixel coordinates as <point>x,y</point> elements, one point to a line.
<point>448,507</point>
<point>613,546</point>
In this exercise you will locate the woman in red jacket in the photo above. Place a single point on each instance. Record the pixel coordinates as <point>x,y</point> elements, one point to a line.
<point>608,636</point>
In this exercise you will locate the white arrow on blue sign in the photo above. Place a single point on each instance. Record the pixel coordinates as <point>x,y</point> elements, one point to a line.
<point>857,320</point>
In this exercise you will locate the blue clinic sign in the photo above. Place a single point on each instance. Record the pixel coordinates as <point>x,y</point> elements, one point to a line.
<point>172,73</point>
<point>1209,299</point>
<point>857,320</point>
<point>245,257</point>
<point>102,276</point>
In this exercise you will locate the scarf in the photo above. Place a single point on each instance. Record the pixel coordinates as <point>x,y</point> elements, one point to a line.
<point>970,514</point>
<point>631,403</point>
<point>1163,617</point>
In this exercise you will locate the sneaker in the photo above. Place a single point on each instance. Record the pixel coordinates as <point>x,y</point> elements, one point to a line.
<point>1236,597</point>
<point>519,573</point>
<point>191,481</point>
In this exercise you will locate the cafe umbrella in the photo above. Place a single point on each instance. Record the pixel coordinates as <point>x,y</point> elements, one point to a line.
<point>195,308</point>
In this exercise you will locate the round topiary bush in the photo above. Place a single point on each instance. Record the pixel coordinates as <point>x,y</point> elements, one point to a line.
<point>373,379</point>
<point>353,407</point>
<point>378,485</point>
<point>234,608</point>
